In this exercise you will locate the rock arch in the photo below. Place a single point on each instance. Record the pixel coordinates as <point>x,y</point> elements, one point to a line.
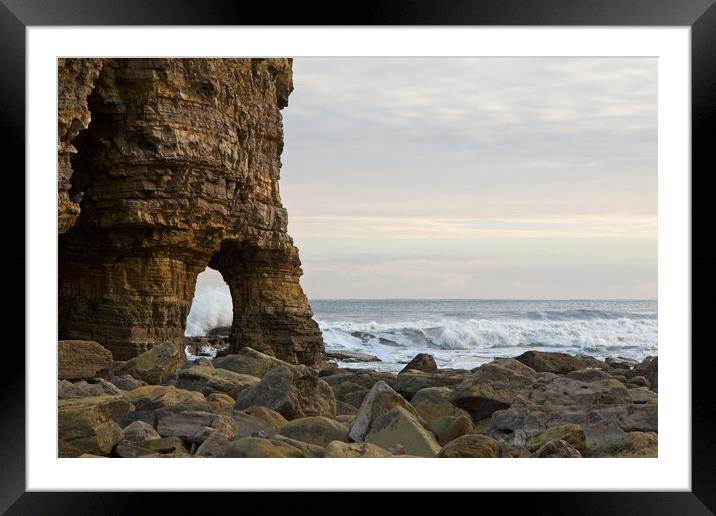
<point>177,169</point>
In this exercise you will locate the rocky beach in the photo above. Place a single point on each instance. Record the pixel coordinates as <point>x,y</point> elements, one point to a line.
<point>249,404</point>
<point>169,166</point>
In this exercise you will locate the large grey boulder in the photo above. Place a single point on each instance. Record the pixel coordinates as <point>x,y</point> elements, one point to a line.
<point>293,392</point>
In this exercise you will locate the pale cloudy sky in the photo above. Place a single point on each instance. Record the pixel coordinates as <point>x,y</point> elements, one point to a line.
<point>473,177</point>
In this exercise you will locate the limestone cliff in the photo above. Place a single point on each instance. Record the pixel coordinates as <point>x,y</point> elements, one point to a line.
<point>167,166</point>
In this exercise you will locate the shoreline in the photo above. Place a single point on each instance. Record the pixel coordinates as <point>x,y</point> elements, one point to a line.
<point>249,404</point>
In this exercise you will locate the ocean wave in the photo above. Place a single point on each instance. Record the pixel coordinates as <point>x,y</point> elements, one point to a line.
<point>590,335</point>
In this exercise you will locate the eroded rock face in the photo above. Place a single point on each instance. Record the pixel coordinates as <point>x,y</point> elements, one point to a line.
<point>177,167</point>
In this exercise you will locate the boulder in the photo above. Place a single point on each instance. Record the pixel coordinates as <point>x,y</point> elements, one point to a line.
<point>82,359</point>
<point>643,395</point>
<point>492,387</point>
<point>400,426</point>
<point>82,389</point>
<point>139,431</point>
<point>364,377</point>
<point>350,356</point>
<point>633,444</point>
<point>448,428</point>
<point>355,399</point>
<point>652,374</point>
<point>126,382</point>
<point>152,397</point>
<point>293,392</point>
<point>164,445</point>
<point>411,381</point>
<point>556,449</point>
<point>341,450</point>
<point>155,365</point>
<point>558,363</point>
<point>344,388</point>
<point>638,381</point>
<point>308,450</point>
<point>269,416</point>
<point>258,447</point>
<point>570,433</point>
<point>620,363</point>
<point>318,430</point>
<point>129,450</point>
<point>344,409</point>
<point>346,420</point>
<point>215,445</point>
<point>432,403</point>
<point>88,425</point>
<point>380,400</point>
<point>189,425</point>
<point>468,446</point>
<point>588,375</point>
<point>250,362</point>
<point>602,426</point>
<point>563,391</point>
<point>247,425</point>
<point>208,380</point>
<point>422,362</point>
<point>219,400</point>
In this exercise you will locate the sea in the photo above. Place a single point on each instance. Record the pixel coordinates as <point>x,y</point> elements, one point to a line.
<point>465,333</point>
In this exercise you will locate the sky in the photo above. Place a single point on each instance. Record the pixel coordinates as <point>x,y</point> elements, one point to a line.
<point>514,178</point>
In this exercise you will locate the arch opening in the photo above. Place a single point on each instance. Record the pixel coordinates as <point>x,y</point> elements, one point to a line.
<point>208,324</point>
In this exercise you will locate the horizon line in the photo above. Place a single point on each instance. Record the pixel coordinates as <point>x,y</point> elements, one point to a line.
<point>475,299</point>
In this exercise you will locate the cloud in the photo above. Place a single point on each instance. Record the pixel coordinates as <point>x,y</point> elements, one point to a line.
<point>423,162</point>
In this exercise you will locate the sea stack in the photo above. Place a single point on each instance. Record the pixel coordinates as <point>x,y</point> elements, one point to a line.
<point>167,166</point>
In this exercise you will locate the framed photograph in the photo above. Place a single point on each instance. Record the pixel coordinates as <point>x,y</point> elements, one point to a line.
<point>457,234</point>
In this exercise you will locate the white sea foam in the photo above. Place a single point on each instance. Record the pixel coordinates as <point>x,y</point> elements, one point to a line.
<point>462,343</point>
<point>211,308</point>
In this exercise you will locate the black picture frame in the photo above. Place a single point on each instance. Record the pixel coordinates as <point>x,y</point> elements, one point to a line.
<point>700,15</point>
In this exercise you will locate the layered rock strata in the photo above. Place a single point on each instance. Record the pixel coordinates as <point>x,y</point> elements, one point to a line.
<point>167,166</point>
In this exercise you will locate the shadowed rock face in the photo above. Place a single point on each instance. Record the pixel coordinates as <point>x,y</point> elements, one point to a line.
<point>177,167</point>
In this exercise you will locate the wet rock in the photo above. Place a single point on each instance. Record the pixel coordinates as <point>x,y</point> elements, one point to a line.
<point>293,392</point>
<point>558,363</point>
<point>82,359</point>
<point>422,362</point>
<point>350,356</point>
<point>620,363</point>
